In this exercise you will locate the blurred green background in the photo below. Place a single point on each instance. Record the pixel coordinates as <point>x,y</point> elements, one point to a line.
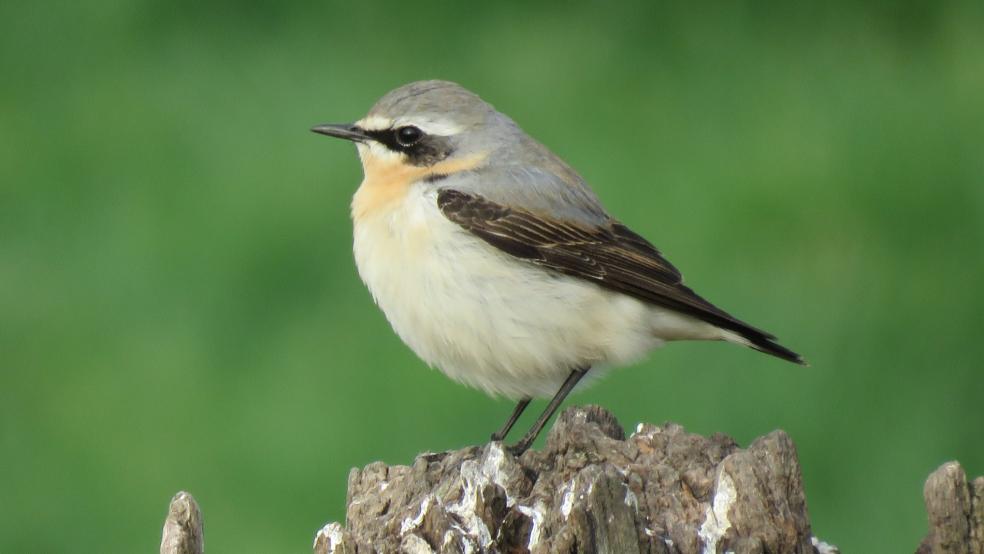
<point>179,308</point>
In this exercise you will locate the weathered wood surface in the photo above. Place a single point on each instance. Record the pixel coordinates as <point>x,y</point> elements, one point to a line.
<point>592,490</point>
<point>955,509</point>
<point>662,490</point>
<point>183,533</point>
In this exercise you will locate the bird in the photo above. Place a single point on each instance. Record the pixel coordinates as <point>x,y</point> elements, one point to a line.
<point>496,263</point>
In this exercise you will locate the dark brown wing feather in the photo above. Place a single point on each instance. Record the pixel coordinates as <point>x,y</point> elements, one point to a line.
<point>610,255</point>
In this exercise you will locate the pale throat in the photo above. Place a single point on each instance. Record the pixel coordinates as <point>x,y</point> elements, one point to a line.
<point>388,178</point>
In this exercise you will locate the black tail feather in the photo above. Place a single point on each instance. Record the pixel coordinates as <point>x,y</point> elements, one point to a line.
<point>767,344</point>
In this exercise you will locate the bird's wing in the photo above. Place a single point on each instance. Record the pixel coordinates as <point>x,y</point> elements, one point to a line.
<point>608,254</point>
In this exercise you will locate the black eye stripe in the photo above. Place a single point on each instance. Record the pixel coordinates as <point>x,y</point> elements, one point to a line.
<point>397,139</point>
<point>423,151</point>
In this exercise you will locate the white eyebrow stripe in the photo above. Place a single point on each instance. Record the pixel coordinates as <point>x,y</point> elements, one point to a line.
<point>375,123</point>
<point>429,126</point>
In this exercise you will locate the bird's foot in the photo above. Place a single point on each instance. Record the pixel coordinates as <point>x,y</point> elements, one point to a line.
<point>522,446</point>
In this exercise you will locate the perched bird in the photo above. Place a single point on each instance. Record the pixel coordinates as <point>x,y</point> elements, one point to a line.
<point>495,262</point>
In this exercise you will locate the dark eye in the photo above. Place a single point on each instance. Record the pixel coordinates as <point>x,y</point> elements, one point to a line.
<point>408,136</point>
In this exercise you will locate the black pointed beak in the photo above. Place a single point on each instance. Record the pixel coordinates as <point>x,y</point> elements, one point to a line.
<point>346,131</point>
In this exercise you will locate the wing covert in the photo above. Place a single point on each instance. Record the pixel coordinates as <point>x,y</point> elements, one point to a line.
<point>608,254</point>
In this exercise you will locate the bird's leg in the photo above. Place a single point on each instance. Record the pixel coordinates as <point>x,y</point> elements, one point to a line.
<point>501,433</point>
<point>555,402</point>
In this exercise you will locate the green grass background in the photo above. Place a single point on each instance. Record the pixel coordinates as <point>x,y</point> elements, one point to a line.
<point>179,308</point>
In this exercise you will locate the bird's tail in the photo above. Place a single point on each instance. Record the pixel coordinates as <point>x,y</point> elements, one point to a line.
<point>763,342</point>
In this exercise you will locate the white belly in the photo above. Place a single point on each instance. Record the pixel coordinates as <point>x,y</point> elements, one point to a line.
<point>486,319</point>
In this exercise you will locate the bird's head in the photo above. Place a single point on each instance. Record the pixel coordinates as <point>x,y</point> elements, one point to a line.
<point>430,127</point>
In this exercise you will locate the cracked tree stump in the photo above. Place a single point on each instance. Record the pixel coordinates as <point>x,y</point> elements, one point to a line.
<point>590,490</point>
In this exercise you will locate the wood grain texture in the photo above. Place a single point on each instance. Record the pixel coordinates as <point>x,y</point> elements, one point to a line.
<point>955,509</point>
